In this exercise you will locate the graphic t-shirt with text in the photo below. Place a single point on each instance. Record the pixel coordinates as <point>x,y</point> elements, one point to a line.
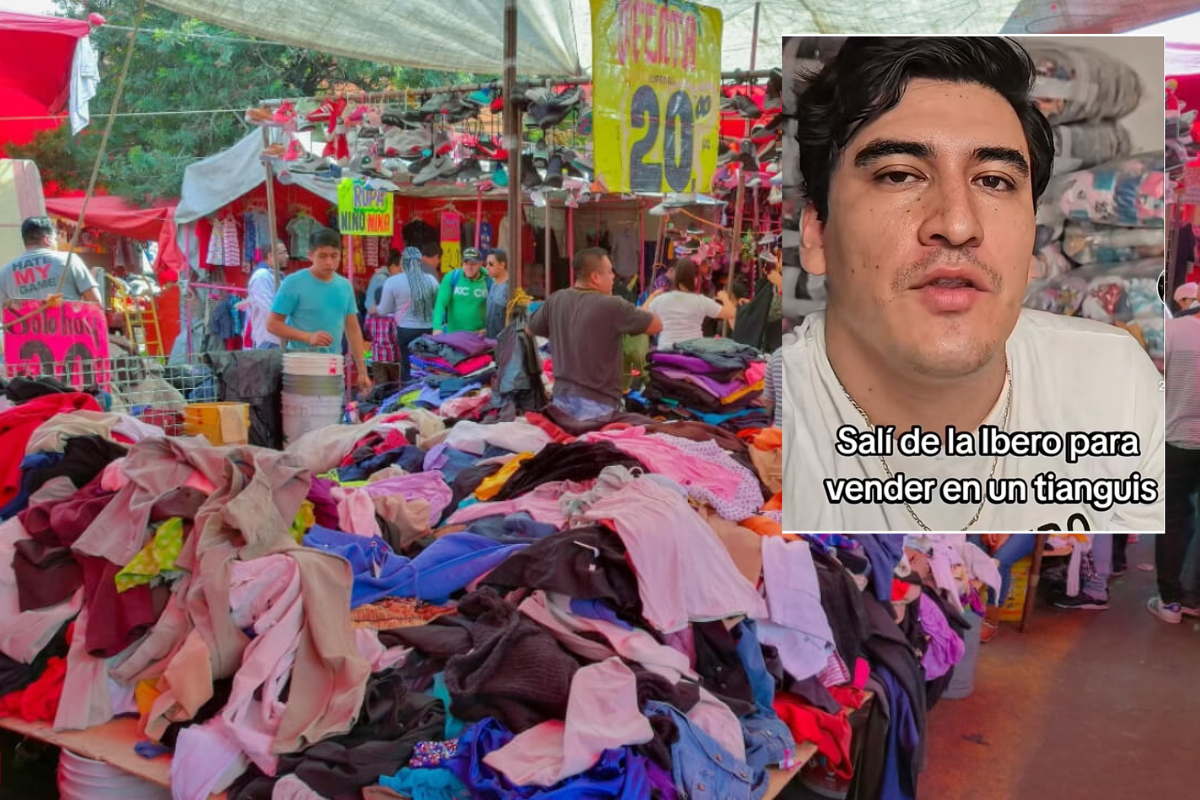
<point>34,276</point>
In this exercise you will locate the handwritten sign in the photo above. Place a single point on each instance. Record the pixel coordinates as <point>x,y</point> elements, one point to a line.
<point>656,74</point>
<point>451,240</point>
<point>69,343</point>
<point>363,211</point>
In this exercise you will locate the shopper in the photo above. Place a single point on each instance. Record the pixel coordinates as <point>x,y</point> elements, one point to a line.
<point>314,308</point>
<point>1093,594</point>
<point>1007,549</point>
<point>683,311</point>
<point>922,162</point>
<point>497,308</point>
<point>462,298</point>
<point>260,296</point>
<point>585,325</point>
<point>381,327</point>
<point>773,388</point>
<point>1187,296</point>
<point>431,260</point>
<point>1182,400</point>
<point>35,275</point>
<point>409,297</point>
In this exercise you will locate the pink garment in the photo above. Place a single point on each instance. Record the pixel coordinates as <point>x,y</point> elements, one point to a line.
<point>428,486</point>
<point>292,788</point>
<point>185,686</point>
<point>86,700</point>
<point>24,634</point>
<point>375,654</point>
<point>206,762</point>
<point>602,713</point>
<point>517,436</point>
<point>464,406</point>
<point>661,457</point>
<point>463,367</point>
<point>684,572</point>
<point>356,510</point>
<point>756,372</point>
<point>113,478</point>
<point>542,504</point>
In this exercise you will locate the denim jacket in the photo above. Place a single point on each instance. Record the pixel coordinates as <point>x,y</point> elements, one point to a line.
<point>701,768</point>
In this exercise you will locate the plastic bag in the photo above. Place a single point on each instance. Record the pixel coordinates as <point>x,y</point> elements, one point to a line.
<point>1075,84</point>
<point>1129,192</point>
<point>1085,243</point>
<point>1051,262</point>
<point>1087,144</point>
<point>1111,294</point>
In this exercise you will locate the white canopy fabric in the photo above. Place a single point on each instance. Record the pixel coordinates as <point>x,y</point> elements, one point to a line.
<point>554,36</point>
<point>1183,58</point>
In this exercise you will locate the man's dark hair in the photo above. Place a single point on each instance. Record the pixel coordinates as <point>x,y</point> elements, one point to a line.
<point>685,275</point>
<point>431,249</point>
<point>324,237</point>
<point>868,78</point>
<point>34,229</point>
<point>588,262</point>
<point>394,258</point>
<point>500,255</point>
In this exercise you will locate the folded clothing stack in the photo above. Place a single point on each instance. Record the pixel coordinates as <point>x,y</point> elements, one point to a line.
<point>453,355</point>
<point>715,380</point>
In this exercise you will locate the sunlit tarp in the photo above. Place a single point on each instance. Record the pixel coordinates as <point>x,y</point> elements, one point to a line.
<point>554,36</point>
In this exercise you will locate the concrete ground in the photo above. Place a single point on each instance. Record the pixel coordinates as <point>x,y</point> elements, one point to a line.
<point>1085,705</point>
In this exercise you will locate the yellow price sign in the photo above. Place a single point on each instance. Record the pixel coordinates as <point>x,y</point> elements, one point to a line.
<point>656,77</point>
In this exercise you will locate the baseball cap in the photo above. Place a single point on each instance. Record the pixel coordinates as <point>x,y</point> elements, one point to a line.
<point>1188,291</point>
<point>471,254</point>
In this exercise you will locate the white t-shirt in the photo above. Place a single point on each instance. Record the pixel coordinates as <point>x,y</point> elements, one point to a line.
<point>682,315</point>
<point>1068,375</point>
<point>260,292</point>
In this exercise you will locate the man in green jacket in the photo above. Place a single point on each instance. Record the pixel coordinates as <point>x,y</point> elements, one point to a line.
<point>462,297</point>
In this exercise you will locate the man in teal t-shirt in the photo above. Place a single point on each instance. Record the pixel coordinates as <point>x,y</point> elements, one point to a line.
<point>462,298</point>
<point>315,307</point>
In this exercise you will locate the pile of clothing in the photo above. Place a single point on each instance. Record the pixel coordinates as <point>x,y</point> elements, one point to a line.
<point>451,375</point>
<point>717,381</point>
<point>460,606</point>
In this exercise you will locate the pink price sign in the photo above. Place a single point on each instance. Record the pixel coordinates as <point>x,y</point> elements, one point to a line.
<point>69,343</point>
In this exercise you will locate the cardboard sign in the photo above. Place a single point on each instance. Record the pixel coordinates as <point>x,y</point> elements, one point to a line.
<point>451,240</point>
<point>363,211</point>
<point>69,343</point>
<point>656,77</point>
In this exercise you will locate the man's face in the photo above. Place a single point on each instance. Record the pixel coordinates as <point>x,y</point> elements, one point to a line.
<point>930,230</point>
<point>603,279</point>
<point>471,268</point>
<point>281,257</point>
<point>433,261</point>
<point>325,261</point>
<point>494,267</point>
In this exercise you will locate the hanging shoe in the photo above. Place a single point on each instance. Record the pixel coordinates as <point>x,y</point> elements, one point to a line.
<point>430,171</point>
<point>294,151</point>
<point>541,154</point>
<point>329,112</point>
<point>500,176</point>
<point>554,172</point>
<point>530,179</point>
<point>497,104</point>
<point>284,114</point>
<point>264,116</point>
<point>568,98</point>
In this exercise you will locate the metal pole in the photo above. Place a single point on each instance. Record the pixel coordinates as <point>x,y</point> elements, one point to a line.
<point>754,227</point>
<point>549,252</point>
<point>641,246</point>
<point>753,53</point>
<point>736,250</point>
<point>478,215</point>
<point>571,244</point>
<point>270,254</point>
<point>512,140</point>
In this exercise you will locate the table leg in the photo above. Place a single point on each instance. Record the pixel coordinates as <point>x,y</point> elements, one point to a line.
<point>1035,576</point>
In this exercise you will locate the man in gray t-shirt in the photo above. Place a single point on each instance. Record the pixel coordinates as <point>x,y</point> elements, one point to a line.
<point>35,274</point>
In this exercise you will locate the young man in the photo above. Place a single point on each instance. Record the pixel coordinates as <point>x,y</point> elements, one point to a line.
<point>585,325</point>
<point>431,259</point>
<point>381,326</point>
<point>497,307</point>
<point>35,275</point>
<point>463,297</point>
<point>260,296</point>
<point>315,307</point>
<point>922,162</point>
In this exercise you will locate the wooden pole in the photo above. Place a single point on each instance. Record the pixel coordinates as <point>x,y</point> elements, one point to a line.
<point>735,252</point>
<point>512,141</point>
<point>549,252</point>
<point>641,245</point>
<point>571,245</point>
<point>478,215</point>
<point>271,223</point>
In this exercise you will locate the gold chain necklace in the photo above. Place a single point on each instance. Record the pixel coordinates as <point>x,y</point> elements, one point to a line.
<point>995,460</point>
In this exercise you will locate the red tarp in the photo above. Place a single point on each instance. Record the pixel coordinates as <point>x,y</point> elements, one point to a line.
<point>116,216</point>
<point>35,71</point>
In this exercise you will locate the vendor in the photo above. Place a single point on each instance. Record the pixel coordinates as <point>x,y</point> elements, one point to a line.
<point>497,307</point>
<point>36,274</point>
<point>683,310</point>
<point>585,325</point>
<point>260,295</point>
<point>381,326</point>
<point>463,297</point>
<point>315,307</point>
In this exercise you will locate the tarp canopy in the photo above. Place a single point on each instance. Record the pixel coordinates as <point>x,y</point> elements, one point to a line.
<point>114,215</point>
<point>35,71</point>
<point>554,36</point>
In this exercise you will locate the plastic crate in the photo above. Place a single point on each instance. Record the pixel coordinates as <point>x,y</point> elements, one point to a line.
<point>1019,587</point>
<point>219,423</point>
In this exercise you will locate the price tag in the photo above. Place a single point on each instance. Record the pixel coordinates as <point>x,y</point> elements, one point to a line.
<point>656,74</point>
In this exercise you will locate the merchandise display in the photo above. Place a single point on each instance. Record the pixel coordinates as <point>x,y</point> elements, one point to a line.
<point>1075,84</point>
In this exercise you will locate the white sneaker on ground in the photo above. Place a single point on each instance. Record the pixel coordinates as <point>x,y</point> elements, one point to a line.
<point>1167,612</point>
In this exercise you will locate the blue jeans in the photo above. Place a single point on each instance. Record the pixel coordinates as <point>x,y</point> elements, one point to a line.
<point>266,346</point>
<point>1102,550</point>
<point>1018,546</point>
<point>582,409</point>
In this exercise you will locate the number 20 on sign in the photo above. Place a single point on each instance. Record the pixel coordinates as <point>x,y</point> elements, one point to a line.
<point>656,71</point>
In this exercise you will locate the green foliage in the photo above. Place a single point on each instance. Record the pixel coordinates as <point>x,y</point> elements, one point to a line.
<point>146,155</point>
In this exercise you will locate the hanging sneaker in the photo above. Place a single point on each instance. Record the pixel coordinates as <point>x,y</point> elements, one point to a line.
<point>1167,612</point>
<point>530,179</point>
<point>742,105</point>
<point>497,104</point>
<point>568,98</point>
<point>500,176</point>
<point>308,164</point>
<point>554,172</point>
<point>284,114</point>
<point>263,116</point>
<point>294,151</point>
<point>469,170</point>
<point>358,115</point>
<point>432,169</point>
<point>329,111</point>
<point>540,154</point>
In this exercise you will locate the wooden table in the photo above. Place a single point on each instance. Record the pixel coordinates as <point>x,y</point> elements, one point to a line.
<point>111,743</point>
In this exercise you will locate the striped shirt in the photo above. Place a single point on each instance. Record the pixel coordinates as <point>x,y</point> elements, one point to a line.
<point>773,388</point>
<point>1183,382</point>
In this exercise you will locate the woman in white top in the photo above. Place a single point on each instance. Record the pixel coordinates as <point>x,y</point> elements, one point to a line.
<point>682,310</point>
